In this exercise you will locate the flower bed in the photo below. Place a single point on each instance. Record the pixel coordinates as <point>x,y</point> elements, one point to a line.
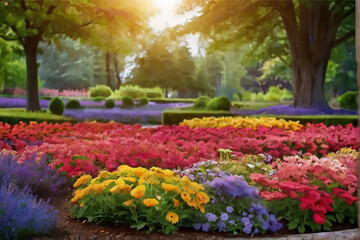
<point>88,147</point>
<point>240,122</point>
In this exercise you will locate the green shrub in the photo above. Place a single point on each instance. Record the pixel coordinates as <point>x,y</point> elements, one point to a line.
<point>127,101</point>
<point>286,95</point>
<point>109,103</point>
<point>98,99</point>
<point>56,106</point>
<point>100,91</point>
<point>73,104</point>
<point>154,92</point>
<point>236,97</point>
<point>143,101</point>
<point>260,97</point>
<point>349,100</point>
<point>131,91</point>
<point>271,97</point>
<point>201,101</point>
<point>246,96</point>
<point>219,103</point>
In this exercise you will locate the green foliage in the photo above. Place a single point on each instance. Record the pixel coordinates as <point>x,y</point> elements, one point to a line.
<point>246,96</point>
<point>201,102</point>
<point>73,104</point>
<point>143,101</point>
<point>129,90</point>
<point>260,97</point>
<point>100,91</point>
<point>14,116</point>
<point>110,103</point>
<point>236,97</point>
<point>349,100</point>
<point>155,92</point>
<point>127,101</point>
<point>56,106</point>
<point>98,99</point>
<point>219,103</point>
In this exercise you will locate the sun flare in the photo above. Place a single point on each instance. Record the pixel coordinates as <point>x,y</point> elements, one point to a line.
<point>166,5</point>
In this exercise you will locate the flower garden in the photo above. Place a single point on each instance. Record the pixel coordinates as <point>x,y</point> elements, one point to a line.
<point>244,176</point>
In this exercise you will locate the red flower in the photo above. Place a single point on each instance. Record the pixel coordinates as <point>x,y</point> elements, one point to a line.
<point>318,209</point>
<point>306,203</point>
<point>273,195</point>
<point>319,218</point>
<point>340,193</point>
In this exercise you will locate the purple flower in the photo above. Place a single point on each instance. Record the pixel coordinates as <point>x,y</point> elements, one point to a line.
<point>229,209</point>
<point>224,217</point>
<point>256,231</point>
<point>197,226</point>
<point>221,226</point>
<point>247,229</point>
<point>244,213</point>
<point>205,227</point>
<point>231,222</point>
<point>211,217</point>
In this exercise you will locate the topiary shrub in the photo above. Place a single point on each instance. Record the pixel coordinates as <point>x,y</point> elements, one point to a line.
<point>143,101</point>
<point>219,103</point>
<point>201,101</point>
<point>349,100</point>
<point>109,103</point>
<point>56,106</point>
<point>100,91</point>
<point>127,101</point>
<point>154,92</point>
<point>73,104</point>
<point>98,99</point>
<point>131,91</point>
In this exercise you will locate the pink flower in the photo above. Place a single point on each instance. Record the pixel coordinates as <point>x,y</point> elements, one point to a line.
<point>319,218</point>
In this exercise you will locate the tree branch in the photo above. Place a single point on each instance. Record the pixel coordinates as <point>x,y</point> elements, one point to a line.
<point>344,38</point>
<point>8,38</point>
<point>284,61</point>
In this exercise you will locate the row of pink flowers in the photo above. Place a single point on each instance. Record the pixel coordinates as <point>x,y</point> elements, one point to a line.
<point>52,92</point>
<point>87,147</point>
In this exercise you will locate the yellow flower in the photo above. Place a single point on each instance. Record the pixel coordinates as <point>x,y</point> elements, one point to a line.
<point>103,174</point>
<point>176,202</point>
<point>128,202</point>
<point>150,202</point>
<point>115,189</point>
<point>107,182</point>
<point>139,171</point>
<point>185,196</point>
<point>184,181</point>
<point>130,179</point>
<point>202,197</point>
<point>82,180</point>
<point>120,182</point>
<point>124,168</point>
<point>99,188</point>
<point>169,187</point>
<point>80,193</point>
<point>172,217</point>
<point>138,192</point>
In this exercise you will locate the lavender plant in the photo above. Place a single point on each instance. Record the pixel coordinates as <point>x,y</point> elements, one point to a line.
<point>38,176</point>
<point>22,215</point>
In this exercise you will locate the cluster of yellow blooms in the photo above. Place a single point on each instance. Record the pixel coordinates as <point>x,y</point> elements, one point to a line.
<point>240,122</point>
<point>149,186</point>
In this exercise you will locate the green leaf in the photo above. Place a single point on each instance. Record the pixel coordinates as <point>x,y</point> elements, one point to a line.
<point>294,223</point>
<point>301,228</point>
<point>140,226</point>
<point>340,217</point>
<point>120,213</point>
<point>331,218</point>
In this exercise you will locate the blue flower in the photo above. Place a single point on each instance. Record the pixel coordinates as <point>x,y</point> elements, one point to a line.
<point>205,227</point>
<point>211,217</point>
<point>247,229</point>
<point>231,222</point>
<point>264,225</point>
<point>256,231</point>
<point>224,217</point>
<point>244,213</point>
<point>222,226</point>
<point>197,226</point>
<point>229,209</point>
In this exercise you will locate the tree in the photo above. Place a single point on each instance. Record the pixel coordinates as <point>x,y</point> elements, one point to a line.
<point>311,29</point>
<point>30,22</point>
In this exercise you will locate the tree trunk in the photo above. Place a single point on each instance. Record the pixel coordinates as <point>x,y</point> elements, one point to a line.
<point>32,94</point>
<point>357,35</point>
<point>107,69</point>
<point>117,72</point>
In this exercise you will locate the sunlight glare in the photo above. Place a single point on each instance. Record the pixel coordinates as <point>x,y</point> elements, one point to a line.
<point>167,5</point>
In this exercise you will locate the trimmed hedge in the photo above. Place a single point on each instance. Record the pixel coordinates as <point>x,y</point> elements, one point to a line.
<point>14,116</point>
<point>109,103</point>
<point>73,104</point>
<point>349,100</point>
<point>173,100</point>
<point>56,106</point>
<point>175,116</point>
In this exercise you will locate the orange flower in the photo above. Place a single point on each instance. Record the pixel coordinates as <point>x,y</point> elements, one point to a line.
<point>138,192</point>
<point>176,202</point>
<point>202,198</point>
<point>172,217</point>
<point>106,183</point>
<point>99,188</point>
<point>150,202</point>
<point>82,180</point>
<point>185,196</point>
<point>128,202</point>
<point>169,187</point>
